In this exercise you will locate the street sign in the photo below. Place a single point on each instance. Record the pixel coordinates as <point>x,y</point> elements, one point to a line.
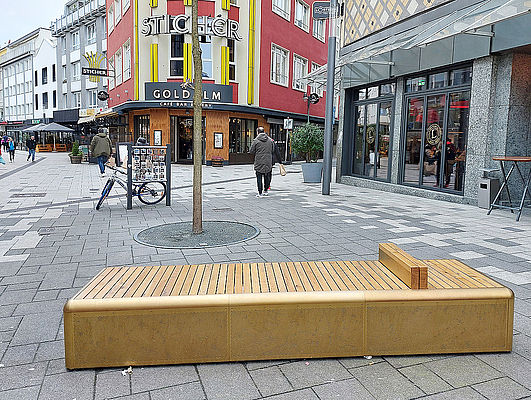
<point>321,10</point>
<point>288,123</point>
<point>94,71</point>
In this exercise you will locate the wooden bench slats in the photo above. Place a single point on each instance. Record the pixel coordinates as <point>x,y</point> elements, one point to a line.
<point>192,280</point>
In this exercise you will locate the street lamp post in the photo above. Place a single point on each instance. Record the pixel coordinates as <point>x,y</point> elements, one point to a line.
<point>312,98</point>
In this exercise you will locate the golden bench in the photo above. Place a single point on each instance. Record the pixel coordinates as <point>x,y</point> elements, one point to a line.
<point>261,311</point>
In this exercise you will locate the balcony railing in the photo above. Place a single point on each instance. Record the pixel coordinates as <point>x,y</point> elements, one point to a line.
<point>94,8</point>
<point>18,51</point>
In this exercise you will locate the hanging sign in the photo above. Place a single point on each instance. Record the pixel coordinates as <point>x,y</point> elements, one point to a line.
<point>182,24</point>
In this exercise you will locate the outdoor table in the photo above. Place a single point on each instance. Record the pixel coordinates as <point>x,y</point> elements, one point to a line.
<point>515,160</point>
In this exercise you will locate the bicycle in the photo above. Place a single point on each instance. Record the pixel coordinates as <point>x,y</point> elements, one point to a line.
<point>147,192</point>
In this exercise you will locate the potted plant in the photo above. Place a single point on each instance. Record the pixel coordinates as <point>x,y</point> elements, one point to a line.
<point>76,155</point>
<point>308,140</point>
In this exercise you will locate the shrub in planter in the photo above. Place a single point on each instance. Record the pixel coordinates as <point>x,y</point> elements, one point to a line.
<point>308,140</point>
<point>76,155</point>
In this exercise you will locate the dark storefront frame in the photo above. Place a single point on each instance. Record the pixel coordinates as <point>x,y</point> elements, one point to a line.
<point>446,90</point>
<point>366,102</point>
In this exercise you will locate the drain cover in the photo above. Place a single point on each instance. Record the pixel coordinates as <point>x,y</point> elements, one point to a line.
<point>180,236</point>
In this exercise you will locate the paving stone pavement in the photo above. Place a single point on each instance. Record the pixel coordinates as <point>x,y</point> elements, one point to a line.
<point>52,242</point>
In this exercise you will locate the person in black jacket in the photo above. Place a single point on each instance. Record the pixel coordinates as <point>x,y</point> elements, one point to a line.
<point>31,144</point>
<point>276,158</point>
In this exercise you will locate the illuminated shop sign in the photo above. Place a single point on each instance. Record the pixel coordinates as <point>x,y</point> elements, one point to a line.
<point>175,92</point>
<point>182,24</point>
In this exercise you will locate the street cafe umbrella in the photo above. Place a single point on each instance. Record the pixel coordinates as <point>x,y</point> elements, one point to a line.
<point>34,128</point>
<point>54,127</point>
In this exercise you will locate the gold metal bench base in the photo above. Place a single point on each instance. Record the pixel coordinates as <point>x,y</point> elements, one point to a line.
<point>262,326</point>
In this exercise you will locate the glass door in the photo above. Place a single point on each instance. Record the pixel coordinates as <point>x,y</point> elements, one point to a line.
<point>182,137</point>
<point>359,136</point>
<point>456,141</point>
<point>383,140</point>
<point>415,123</point>
<point>433,140</point>
<point>369,159</point>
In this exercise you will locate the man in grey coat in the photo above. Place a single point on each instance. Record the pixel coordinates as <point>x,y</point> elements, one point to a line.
<point>101,147</point>
<point>262,148</point>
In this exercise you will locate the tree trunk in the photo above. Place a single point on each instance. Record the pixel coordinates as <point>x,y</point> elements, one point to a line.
<point>197,221</point>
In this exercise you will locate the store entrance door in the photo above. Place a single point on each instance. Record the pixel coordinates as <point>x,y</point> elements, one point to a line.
<point>182,138</point>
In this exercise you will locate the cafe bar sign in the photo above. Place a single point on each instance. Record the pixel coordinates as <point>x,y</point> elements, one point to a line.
<point>174,91</point>
<point>182,24</point>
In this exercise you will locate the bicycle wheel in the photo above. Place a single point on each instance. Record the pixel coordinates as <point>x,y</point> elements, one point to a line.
<point>151,192</point>
<point>104,193</point>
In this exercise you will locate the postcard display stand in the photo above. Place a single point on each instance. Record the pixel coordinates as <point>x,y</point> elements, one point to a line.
<point>148,164</point>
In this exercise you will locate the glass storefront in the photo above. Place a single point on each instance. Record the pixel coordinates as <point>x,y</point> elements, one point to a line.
<point>372,132</point>
<point>435,134</point>
<point>182,138</point>
<point>241,134</point>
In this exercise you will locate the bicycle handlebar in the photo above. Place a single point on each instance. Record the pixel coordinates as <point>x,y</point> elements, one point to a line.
<point>115,169</point>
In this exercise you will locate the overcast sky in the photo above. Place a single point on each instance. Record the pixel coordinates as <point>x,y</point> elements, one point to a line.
<point>19,17</point>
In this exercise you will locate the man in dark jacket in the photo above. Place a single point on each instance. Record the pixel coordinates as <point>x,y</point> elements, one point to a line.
<point>262,148</point>
<point>101,147</point>
<point>31,144</point>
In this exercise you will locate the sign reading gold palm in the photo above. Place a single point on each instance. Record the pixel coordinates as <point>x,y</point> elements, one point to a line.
<point>94,62</point>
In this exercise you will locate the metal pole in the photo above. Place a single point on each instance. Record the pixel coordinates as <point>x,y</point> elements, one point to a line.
<point>168,174</point>
<point>308,110</point>
<point>329,113</point>
<point>129,176</point>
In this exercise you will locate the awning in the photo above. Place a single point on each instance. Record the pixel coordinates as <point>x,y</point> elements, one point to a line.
<point>470,20</point>
<point>107,113</point>
<point>84,120</point>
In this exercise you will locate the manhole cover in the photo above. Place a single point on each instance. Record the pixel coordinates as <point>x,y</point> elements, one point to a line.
<point>28,195</point>
<point>180,236</point>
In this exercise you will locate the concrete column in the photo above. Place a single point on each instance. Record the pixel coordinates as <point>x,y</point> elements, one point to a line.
<point>397,128</point>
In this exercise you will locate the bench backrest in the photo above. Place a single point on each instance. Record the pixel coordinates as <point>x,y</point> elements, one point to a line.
<point>413,272</point>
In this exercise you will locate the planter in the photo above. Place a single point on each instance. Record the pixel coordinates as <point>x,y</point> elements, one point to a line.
<point>311,172</point>
<point>75,159</point>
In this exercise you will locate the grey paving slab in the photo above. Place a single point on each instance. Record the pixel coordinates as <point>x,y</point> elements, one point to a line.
<point>307,373</point>
<point>39,307</point>
<point>77,385</point>
<point>384,382</point>
<point>138,396</point>
<point>151,378</point>
<point>26,393</point>
<point>406,361</point>
<point>187,391</point>
<point>514,366</point>
<point>227,381</point>
<point>462,393</point>
<point>9,323</point>
<point>112,384</point>
<point>463,370</point>
<point>50,351</point>
<point>58,280</point>
<point>6,311</point>
<point>21,376</point>
<point>35,328</point>
<point>17,355</point>
<point>349,389</point>
<point>17,297</point>
<point>354,362</point>
<point>425,379</point>
<point>270,381</point>
<point>305,394</point>
<point>502,389</point>
<point>252,365</point>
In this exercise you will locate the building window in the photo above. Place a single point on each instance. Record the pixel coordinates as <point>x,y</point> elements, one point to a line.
<point>117,12</point>
<point>282,8</point>
<point>76,71</point>
<point>65,100</point>
<point>316,87</point>
<point>112,77</point>
<point>118,66</point>
<point>302,15</point>
<point>125,5</point>
<point>36,102</point>
<point>45,75</point>
<point>75,40</point>
<point>54,77</point>
<point>318,29</point>
<point>205,43</point>
<point>91,33</point>
<point>64,73</point>
<point>461,76</point>
<point>36,79</point>
<point>110,18</point>
<point>45,100</point>
<point>232,59</point>
<point>127,60</point>
<point>279,65</point>
<point>300,69</point>
<point>63,44</point>
<point>93,98</point>
<point>176,55</point>
<point>77,99</point>
<point>54,99</point>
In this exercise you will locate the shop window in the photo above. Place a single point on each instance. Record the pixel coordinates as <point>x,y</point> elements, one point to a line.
<point>205,43</point>
<point>372,92</point>
<point>416,84</point>
<point>176,55</point>
<point>302,15</point>
<point>461,76</point>
<point>279,65</point>
<point>300,69</point>
<point>318,29</point>
<point>362,94</point>
<point>282,8</point>
<point>437,81</point>
<point>141,127</point>
<point>232,59</point>
<point>241,134</point>
<point>387,89</point>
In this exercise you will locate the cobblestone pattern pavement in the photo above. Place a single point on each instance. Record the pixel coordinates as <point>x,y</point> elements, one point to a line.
<point>52,242</point>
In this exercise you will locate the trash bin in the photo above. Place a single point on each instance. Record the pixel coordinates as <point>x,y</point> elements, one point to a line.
<point>488,188</point>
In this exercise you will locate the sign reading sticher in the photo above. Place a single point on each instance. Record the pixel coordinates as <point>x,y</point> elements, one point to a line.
<point>174,91</point>
<point>93,71</point>
<point>182,24</point>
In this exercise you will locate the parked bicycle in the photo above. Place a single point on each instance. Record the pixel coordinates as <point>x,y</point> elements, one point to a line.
<point>147,192</point>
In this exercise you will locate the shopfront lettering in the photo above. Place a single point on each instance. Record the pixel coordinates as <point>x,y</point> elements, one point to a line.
<point>182,24</point>
<point>174,91</point>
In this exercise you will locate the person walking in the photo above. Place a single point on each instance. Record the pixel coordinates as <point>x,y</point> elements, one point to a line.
<point>262,148</point>
<point>101,147</point>
<point>12,147</point>
<point>276,158</point>
<point>5,142</point>
<point>31,144</point>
